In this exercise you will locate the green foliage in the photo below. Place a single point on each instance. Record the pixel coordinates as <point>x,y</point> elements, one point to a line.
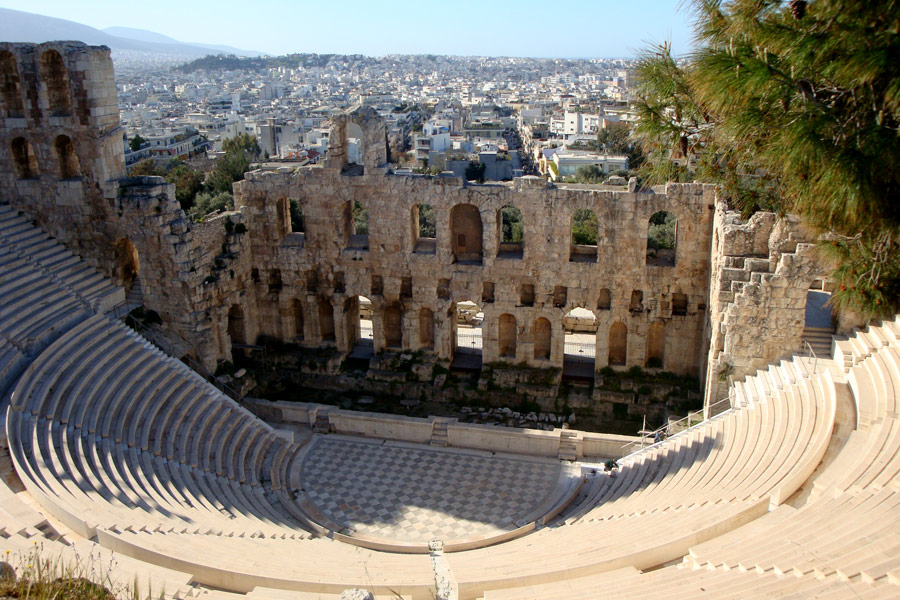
<point>589,174</point>
<point>661,231</point>
<point>794,111</point>
<point>136,142</point>
<point>230,62</point>
<point>475,171</point>
<point>206,203</point>
<point>615,138</point>
<point>188,183</point>
<point>513,224</point>
<point>427,221</point>
<point>228,169</point>
<point>584,227</point>
<point>145,168</point>
<point>360,219</point>
<point>242,142</point>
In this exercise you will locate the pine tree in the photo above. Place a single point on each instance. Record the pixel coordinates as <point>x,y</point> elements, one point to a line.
<point>803,99</point>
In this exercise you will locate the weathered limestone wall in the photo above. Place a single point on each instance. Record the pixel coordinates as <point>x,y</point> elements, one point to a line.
<point>588,445</point>
<point>61,139</point>
<point>62,163</point>
<point>343,268</point>
<point>762,270</point>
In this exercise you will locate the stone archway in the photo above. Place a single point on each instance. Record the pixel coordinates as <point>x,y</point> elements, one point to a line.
<point>128,264</point>
<point>466,234</point>
<point>506,336</point>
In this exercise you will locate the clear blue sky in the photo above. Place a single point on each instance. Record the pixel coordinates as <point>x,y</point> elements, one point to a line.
<point>574,28</point>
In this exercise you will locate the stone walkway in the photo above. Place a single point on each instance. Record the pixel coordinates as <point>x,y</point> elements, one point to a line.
<point>416,493</point>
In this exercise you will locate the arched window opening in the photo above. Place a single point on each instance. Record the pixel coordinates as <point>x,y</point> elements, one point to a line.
<point>358,329</point>
<point>359,226</point>
<point>128,264</point>
<point>656,345</point>
<point>426,329</point>
<point>24,159</point>
<point>506,336</point>
<point>637,301</point>
<point>511,232</point>
<point>393,326</point>
<point>467,335</point>
<point>618,344</point>
<point>580,344</point>
<point>326,320</point>
<point>466,234</point>
<point>604,299</point>
<point>356,150</point>
<point>662,230</point>
<point>53,72</point>
<point>298,225</point>
<point>424,228</point>
<point>10,92</point>
<point>65,154</point>
<point>297,320</point>
<point>542,339</point>
<point>585,232</point>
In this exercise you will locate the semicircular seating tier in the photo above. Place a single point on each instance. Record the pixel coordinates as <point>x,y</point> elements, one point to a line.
<point>120,448</point>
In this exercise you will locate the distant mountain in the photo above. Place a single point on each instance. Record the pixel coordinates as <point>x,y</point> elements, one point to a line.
<point>18,26</point>
<point>144,35</point>
<point>141,35</point>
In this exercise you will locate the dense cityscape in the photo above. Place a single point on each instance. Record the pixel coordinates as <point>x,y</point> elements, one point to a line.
<point>514,116</point>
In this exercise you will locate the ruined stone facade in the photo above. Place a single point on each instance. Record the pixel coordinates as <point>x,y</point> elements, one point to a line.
<point>733,295</point>
<point>762,271</point>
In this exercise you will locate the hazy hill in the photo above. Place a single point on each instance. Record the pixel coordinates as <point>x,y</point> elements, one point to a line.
<point>18,26</point>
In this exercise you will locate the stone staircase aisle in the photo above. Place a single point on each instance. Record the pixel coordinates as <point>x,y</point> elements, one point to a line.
<point>439,434</point>
<point>567,448</point>
<point>819,339</point>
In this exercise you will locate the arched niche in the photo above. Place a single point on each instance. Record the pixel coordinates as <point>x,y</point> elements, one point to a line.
<point>466,234</point>
<point>56,80</point>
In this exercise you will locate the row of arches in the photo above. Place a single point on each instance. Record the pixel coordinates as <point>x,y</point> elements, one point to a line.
<point>25,160</point>
<point>391,332</point>
<point>467,233</point>
<point>53,74</point>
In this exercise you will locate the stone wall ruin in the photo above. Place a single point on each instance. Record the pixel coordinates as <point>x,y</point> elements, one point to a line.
<point>244,275</point>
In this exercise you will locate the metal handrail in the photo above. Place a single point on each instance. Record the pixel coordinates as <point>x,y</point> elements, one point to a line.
<point>652,434</point>
<point>815,360</point>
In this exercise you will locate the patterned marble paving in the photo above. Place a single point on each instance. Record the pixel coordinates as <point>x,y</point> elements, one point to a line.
<point>418,493</point>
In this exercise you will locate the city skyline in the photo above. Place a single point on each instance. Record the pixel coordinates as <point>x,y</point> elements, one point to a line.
<point>581,29</point>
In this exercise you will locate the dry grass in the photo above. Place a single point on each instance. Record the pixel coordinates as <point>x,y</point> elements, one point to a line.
<point>38,575</point>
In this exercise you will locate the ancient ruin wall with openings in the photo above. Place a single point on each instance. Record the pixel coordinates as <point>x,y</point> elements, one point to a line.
<point>731,297</point>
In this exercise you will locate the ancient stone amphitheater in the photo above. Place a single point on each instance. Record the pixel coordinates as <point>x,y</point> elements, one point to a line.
<point>121,453</point>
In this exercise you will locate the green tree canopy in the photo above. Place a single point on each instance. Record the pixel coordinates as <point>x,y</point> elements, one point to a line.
<point>584,227</point>
<point>206,203</point>
<point>513,225</point>
<point>793,106</point>
<point>588,174</point>
<point>242,142</point>
<point>136,142</point>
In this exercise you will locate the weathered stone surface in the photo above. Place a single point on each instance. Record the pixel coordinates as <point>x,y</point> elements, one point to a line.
<point>733,298</point>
